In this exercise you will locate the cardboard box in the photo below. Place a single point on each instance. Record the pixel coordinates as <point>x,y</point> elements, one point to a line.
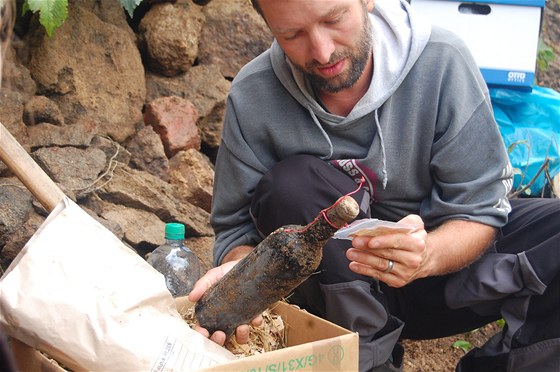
<point>313,344</point>
<point>501,34</point>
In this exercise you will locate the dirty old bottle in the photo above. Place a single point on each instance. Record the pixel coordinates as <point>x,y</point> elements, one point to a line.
<point>175,261</point>
<point>272,270</point>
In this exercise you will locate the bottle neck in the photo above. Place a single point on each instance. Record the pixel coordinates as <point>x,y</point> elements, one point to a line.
<point>320,228</point>
<point>330,220</point>
<point>174,242</point>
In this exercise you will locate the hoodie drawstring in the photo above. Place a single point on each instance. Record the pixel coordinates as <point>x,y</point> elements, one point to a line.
<point>383,154</point>
<point>331,148</point>
<point>325,135</point>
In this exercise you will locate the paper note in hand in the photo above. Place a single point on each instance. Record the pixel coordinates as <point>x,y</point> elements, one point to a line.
<point>373,227</point>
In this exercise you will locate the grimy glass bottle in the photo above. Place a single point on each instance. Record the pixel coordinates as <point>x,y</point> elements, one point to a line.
<point>175,261</point>
<point>272,270</point>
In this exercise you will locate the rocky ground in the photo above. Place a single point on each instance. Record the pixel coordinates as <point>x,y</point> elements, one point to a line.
<point>125,116</point>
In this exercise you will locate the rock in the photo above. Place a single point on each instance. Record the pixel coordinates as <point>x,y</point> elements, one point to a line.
<point>113,150</point>
<point>77,170</point>
<point>232,36</point>
<point>92,70</point>
<point>40,109</point>
<point>169,37</point>
<point>208,92</point>
<point>11,112</point>
<point>174,119</point>
<point>109,11</point>
<point>141,190</point>
<point>158,86</point>
<point>138,227</point>
<point>193,175</point>
<point>16,202</point>
<point>16,77</point>
<point>206,88</point>
<point>110,225</point>
<point>18,220</point>
<point>148,154</point>
<point>202,247</point>
<point>20,236</point>
<point>47,135</point>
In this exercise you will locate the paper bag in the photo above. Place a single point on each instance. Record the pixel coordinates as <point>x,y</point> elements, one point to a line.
<point>79,294</point>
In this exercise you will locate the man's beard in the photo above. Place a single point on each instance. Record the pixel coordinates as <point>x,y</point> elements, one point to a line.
<point>358,57</point>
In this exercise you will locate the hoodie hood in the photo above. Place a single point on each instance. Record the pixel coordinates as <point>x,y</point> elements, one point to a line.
<point>399,37</point>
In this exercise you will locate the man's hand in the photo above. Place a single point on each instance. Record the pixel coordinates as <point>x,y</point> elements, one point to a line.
<point>201,286</point>
<point>449,248</point>
<point>396,259</point>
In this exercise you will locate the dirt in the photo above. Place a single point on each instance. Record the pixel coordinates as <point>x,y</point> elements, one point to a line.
<point>441,354</point>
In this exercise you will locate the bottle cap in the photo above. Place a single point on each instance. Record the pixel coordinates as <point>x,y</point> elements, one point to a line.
<point>174,231</point>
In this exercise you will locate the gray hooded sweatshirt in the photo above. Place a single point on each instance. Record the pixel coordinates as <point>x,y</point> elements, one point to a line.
<point>423,136</point>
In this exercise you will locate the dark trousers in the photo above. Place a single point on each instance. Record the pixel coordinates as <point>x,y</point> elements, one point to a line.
<point>518,279</point>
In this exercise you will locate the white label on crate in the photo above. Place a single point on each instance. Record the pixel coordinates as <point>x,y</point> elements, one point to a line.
<point>175,356</point>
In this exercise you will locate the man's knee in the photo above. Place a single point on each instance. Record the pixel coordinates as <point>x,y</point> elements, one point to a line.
<point>295,190</point>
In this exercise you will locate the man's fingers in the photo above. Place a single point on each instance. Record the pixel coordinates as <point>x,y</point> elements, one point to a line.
<point>202,285</point>
<point>413,219</point>
<point>202,331</point>
<point>257,321</point>
<point>219,337</point>
<point>242,334</point>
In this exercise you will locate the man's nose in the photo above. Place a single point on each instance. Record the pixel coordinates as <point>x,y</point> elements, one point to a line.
<point>321,46</point>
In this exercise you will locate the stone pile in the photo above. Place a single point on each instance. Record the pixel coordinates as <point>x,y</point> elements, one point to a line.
<point>125,114</point>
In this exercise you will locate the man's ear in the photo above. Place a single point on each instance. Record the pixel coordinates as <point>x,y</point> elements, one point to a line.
<point>369,4</point>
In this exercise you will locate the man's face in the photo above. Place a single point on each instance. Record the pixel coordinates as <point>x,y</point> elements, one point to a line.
<point>328,40</point>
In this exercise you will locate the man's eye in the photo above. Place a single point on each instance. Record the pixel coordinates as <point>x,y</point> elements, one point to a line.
<point>291,36</point>
<point>332,21</point>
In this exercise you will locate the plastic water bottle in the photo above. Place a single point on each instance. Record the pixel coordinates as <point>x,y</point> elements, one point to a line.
<point>175,261</point>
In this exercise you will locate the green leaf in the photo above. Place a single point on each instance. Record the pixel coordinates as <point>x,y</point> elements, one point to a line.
<point>463,345</point>
<point>52,13</point>
<point>545,55</point>
<point>130,5</point>
<point>24,8</point>
<point>501,322</point>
